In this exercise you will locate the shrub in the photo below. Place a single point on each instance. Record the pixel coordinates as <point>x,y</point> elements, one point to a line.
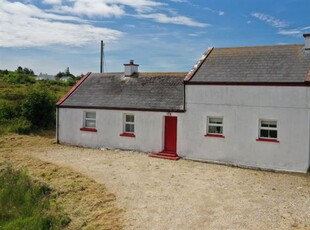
<point>21,126</point>
<point>39,109</point>
<point>9,110</point>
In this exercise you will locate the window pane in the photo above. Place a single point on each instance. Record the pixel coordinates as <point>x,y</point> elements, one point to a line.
<point>129,128</point>
<point>91,115</point>
<point>132,128</point>
<point>130,118</point>
<point>215,120</point>
<point>263,133</point>
<point>90,123</point>
<point>215,129</point>
<point>264,124</point>
<point>271,124</point>
<point>273,133</point>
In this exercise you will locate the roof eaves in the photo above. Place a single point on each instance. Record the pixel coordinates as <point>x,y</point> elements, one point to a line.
<point>191,73</point>
<point>65,97</point>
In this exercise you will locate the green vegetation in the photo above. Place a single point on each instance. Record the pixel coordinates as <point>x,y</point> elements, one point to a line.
<point>28,105</point>
<point>27,205</point>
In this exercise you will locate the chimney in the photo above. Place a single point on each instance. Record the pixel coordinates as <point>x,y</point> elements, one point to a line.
<point>307,41</point>
<point>130,68</point>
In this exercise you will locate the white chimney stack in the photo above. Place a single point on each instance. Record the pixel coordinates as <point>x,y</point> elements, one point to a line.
<point>307,41</point>
<point>130,68</point>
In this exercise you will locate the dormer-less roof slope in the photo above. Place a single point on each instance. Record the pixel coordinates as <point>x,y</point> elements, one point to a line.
<point>148,91</point>
<point>260,64</point>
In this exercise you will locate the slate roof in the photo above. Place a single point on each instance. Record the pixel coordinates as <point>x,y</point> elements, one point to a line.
<point>277,64</point>
<point>148,91</point>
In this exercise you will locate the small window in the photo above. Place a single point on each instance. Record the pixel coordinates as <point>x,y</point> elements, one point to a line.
<point>268,129</point>
<point>129,124</point>
<point>90,119</point>
<point>215,125</point>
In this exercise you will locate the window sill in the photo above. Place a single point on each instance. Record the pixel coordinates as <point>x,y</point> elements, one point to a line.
<point>127,135</point>
<point>215,135</point>
<point>88,129</point>
<point>267,140</point>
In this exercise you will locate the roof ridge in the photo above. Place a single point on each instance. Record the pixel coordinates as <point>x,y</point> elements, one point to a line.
<point>259,46</point>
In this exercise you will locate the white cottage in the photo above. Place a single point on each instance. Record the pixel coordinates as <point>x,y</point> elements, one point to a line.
<point>247,106</point>
<point>130,110</point>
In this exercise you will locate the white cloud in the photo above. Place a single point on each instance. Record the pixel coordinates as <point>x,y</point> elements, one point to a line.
<point>293,32</point>
<point>289,32</point>
<point>219,12</point>
<point>105,8</point>
<point>28,26</point>
<point>270,20</point>
<point>181,1</point>
<point>179,20</point>
<point>52,2</point>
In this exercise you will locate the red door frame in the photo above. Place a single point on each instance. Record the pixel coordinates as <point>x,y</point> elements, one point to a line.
<point>170,134</point>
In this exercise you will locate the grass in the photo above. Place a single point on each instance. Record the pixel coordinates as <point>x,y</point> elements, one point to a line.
<point>88,205</point>
<point>25,204</point>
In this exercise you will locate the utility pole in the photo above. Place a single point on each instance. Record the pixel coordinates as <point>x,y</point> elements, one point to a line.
<point>102,57</point>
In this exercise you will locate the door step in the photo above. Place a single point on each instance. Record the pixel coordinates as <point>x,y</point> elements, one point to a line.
<point>165,155</point>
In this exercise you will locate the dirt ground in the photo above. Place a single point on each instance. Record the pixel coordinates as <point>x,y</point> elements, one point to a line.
<point>161,194</point>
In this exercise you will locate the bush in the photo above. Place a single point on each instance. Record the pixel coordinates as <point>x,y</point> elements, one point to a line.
<point>39,109</point>
<point>19,78</point>
<point>21,126</point>
<point>9,110</point>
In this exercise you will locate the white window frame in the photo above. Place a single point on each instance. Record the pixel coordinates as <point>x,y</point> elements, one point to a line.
<point>89,119</point>
<point>215,125</point>
<point>129,122</point>
<point>268,129</point>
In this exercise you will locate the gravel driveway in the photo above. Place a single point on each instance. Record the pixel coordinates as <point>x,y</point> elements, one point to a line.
<point>163,194</point>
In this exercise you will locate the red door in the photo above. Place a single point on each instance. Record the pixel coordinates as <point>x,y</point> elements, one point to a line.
<point>171,134</point>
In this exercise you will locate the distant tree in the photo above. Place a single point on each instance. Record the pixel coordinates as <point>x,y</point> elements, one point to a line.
<point>19,69</point>
<point>59,75</point>
<point>67,71</point>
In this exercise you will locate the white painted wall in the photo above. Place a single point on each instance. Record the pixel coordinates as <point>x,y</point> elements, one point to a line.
<point>149,130</point>
<point>242,107</point>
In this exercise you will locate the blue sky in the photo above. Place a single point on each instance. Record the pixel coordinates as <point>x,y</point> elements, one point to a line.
<point>50,35</point>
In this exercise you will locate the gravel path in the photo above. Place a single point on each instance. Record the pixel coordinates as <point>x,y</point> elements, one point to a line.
<point>162,194</point>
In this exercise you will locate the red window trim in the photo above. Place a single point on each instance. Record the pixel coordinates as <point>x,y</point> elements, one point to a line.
<point>127,135</point>
<point>214,135</point>
<point>88,129</point>
<point>267,140</point>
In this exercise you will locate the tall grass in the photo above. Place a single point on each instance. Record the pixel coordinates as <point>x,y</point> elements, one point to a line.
<point>25,204</point>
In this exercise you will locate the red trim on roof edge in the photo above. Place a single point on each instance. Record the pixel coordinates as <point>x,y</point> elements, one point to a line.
<point>305,84</point>
<point>62,100</point>
<point>191,73</point>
